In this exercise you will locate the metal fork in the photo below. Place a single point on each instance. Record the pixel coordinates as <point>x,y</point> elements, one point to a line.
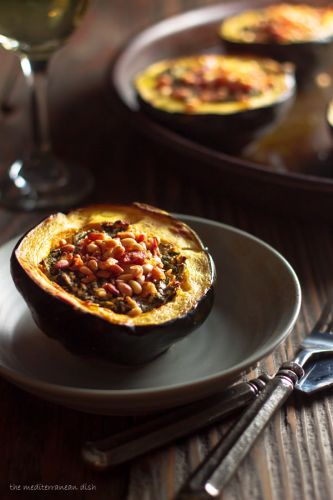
<point>218,467</point>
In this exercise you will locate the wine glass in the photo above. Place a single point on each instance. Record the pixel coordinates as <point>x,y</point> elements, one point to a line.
<point>35,29</point>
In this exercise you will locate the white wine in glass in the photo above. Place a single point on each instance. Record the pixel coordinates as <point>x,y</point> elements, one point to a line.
<point>35,29</point>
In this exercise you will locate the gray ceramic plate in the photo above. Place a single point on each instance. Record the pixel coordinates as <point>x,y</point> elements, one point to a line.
<point>257,303</point>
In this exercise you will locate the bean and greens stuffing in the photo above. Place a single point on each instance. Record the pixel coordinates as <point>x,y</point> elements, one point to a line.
<point>114,266</point>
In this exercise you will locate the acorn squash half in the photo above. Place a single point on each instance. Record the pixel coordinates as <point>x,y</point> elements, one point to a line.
<point>221,101</point>
<point>301,34</point>
<point>117,282</point>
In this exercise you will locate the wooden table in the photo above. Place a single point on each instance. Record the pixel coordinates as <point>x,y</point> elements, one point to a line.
<point>40,441</point>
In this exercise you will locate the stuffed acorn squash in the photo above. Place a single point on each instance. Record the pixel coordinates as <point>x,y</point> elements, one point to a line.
<point>118,282</point>
<point>301,34</point>
<point>222,101</point>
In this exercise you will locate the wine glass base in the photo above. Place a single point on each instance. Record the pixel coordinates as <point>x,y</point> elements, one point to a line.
<point>44,182</point>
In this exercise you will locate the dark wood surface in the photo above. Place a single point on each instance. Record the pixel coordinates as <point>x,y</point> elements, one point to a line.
<point>40,442</point>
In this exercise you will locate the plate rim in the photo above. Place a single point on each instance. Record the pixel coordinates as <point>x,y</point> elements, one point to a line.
<point>123,395</point>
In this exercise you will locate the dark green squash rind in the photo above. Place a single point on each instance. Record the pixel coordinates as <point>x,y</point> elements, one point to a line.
<point>86,334</point>
<point>229,133</point>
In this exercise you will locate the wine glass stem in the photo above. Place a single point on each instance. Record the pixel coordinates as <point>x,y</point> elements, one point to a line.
<point>35,72</point>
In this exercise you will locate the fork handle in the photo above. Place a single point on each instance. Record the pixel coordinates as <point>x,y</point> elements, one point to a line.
<point>221,463</point>
<point>165,428</point>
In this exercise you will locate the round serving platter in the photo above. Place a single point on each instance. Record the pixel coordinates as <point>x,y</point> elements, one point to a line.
<point>290,168</point>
